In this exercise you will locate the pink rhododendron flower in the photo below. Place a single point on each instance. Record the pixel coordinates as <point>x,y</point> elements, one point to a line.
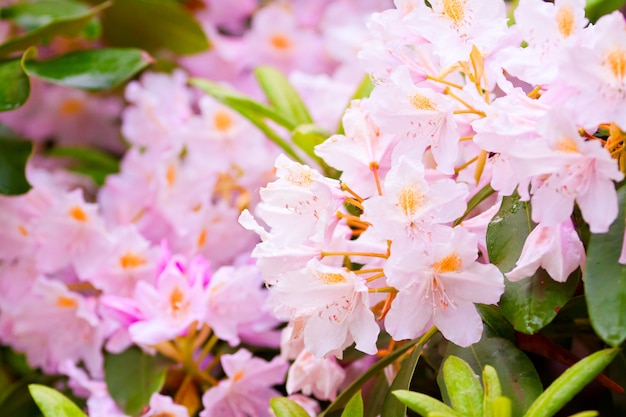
<point>318,376</point>
<point>247,389</point>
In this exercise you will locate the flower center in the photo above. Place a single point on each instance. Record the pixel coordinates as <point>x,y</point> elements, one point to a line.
<point>222,120</point>
<point>421,102</point>
<point>170,175</point>
<point>565,20</point>
<point>454,10</point>
<point>78,214</point>
<point>130,260</point>
<point>332,278</point>
<point>451,263</point>
<point>66,302</point>
<point>280,41</point>
<point>177,301</point>
<point>71,107</point>
<point>410,200</point>
<point>567,144</point>
<point>202,238</point>
<point>617,63</point>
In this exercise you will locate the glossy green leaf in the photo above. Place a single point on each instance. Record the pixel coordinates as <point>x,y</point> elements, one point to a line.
<point>586,414</point>
<point>14,154</point>
<point>15,85</point>
<point>425,405</point>
<point>598,8</point>
<point>605,280</point>
<point>463,387</point>
<point>284,407</point>
<point>132,377</point>
<point>496,322</point>
<point>282,95</point>
<point>570,383</point>
<point>392,407</point>
<point>354,408</point>
<point>61,26</point>
<point>32,15</point>
<point>531,303</point>
<point>518,378</point>
<point>492,389</point>
<point>153,25</point>
<point>476,199</point>
<point>345,395</point>
<point>52,403</point>
<point>93,69</point>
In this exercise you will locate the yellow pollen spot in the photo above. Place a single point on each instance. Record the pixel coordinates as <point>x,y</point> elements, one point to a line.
<point>617,63</point>
<point>567,144</point>
<point>303,178</point>
<point>451,263</point>
<point>23,231</point>
<point>454,10</point>
<point>330,278</point>
<point>222,120</point>
<point>131,260</point>
<point>565,20</point>
<point>238,376</point>
<point>170,175</point>
<point>410,200</point>
<point>78,214</point>
<point>197,207</point>
<point>162,414</point>
<point>202,238</point>
<point>280,41</point>
<point>66,302</point>
<point>71,107</point>
<point>176,300</point>
<point>421,102</point>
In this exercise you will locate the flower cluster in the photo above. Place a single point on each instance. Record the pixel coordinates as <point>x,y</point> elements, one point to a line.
<point>457,107</point>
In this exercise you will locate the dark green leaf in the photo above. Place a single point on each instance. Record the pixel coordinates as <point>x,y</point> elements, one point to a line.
<point>282,95</point>
<point>62,26</point>
<point>15,85</point>
<point>605,280</point>
<point>132,377</point>
<point>598,8</point>
<point>284,407</point>
<point>375,395</point>
<point>35,14</point>
<point>496,322</point>
<point>153,25</point>
<point>93,69</point>
<point>354,408</point>
<point>424,405</point>
<point>518,378</point>
<point>392,407</point>
<point>463,387</point>
<point>52,403</point>
<point>343,398</point>
<point>531,303</point>
<point>14,154</point>
<point>476,199</point>
<point>570,383</point>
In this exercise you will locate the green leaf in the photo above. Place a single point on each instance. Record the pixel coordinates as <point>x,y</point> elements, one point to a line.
<point>392,407</point>
<point>32,15</point>
<point>61,26</point>
<point>501,407</point>
<point>518,378</point>
<point>363,90</point>
<point>605,280</point>
<point>598,8</point>
<point>356,385</point>
<point>496,322</point>
<point>14,154</point>
<point>52,403</point>
<point>531,303</point>
<point>307,137</point>
<point>15,85</point>
<point>463,387</point>
<point>424,405</point>
<point>572,381</point>
<point>491,388</point>
<point>282,95</point>
<point>93,69</point>
<point>354,408</point>
<point>585,414</point>
<point>153,25</point>
<point>88,161</point>
<point>284,407</point>
<point>132,377</point>
<point>476,199</point>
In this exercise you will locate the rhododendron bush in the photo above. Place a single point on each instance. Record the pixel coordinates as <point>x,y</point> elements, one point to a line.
<point>312,208</point>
